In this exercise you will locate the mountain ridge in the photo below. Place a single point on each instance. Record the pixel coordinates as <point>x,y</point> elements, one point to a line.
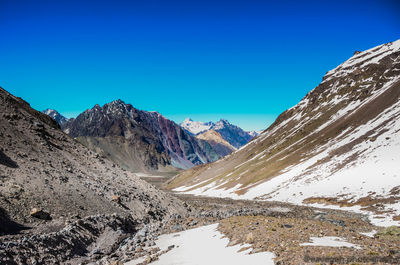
<point>108,130</point>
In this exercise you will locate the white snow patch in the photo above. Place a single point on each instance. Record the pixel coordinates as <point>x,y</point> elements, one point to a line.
<point>330,241</point>
<point>204,246</point>
<point>369,234</point>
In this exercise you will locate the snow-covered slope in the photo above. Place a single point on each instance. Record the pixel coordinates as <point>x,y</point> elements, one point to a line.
<point>338,147</point>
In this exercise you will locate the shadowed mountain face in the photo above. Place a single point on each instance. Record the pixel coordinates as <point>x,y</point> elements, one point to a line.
<point>339,145</point>
<point>138,140</point>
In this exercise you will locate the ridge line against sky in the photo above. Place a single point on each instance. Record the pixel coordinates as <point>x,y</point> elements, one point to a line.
<point>245,61</point>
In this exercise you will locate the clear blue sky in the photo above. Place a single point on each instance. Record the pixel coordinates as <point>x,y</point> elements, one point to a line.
<point>246,61</point>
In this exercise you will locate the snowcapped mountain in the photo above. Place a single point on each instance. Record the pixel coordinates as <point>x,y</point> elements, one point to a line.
<point>338,147</point>
<point>254,133</point>
<point>138,140</point>
<point>233,134</point>
<point>60,119</point>
<point>196,127</point>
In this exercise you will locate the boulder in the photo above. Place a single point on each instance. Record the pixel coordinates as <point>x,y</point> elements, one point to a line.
<point>116,199</point>
<point>40,214</point>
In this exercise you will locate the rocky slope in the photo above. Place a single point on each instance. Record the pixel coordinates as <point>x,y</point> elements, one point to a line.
<point>219,144</point>
<point>60,119</point>
<point>233,134</point>
<point>138,140</point>
<point>338,147</point>
<point>41,167</point>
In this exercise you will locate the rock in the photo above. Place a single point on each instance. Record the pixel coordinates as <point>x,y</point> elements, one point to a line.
<point>116,199</point>
<point>96,251</point>
<point>176,227</point>
<point>40,214</point>
<point>171,247</point>
<point>193,223</point>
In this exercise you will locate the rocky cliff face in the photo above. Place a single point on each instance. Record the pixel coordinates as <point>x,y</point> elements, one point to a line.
<point>339,146</point>
<point>138,140</point>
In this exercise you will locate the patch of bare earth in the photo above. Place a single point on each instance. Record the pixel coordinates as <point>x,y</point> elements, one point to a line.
<point>283,237</point>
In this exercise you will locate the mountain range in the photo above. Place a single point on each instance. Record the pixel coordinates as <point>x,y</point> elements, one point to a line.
<point>338,147</point>
<point>143,141</point>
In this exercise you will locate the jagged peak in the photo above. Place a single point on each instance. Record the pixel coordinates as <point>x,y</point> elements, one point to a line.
<point>187,120</point>
<point>47,111</point>
<point>224,121</point>
<point>117,102</point>
<point>54,114</point>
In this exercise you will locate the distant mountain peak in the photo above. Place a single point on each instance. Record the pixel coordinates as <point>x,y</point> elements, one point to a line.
<point>118,101</point>
<point>223,121</point>
<point>196,127</point>
<point>233,134</point>
<point>60,119</point>
<point>254,133</point>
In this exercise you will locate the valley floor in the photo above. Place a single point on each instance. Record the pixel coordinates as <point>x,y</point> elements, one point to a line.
<point>248,232</point>
<point>284,233</point>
